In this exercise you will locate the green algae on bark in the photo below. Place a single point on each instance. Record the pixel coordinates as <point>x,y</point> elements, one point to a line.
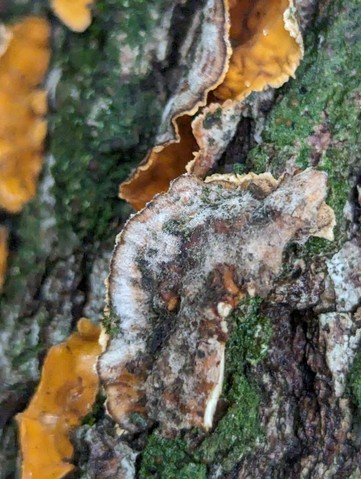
<point>239,428</point>
<point>99,125</point>
<point>315,121</point>
<point>354,380</point>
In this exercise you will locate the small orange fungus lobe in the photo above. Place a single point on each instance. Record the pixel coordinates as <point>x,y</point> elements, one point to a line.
<point>267,47</point>
<point>66,393</point>
<point>23,66</point>
<point>75,14</point>
<point>3,254</point>
<point>266,50</point>
<point>160,167</point>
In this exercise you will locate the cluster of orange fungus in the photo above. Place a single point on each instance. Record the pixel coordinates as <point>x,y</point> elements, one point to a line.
<point>267,47</point>
<point>23,65</point>
<point>266,51</point>
<point>3,253</point>
<point>75,14</point>
<point>162,165</point>
<point>66,393</point>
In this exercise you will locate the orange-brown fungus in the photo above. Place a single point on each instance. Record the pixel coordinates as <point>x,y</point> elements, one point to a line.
<point>22,107</point>
<point>3,254</point>
<point>75,14</point>
<point>267,47</point>
<point>160,167</point>
<point>66,393</point>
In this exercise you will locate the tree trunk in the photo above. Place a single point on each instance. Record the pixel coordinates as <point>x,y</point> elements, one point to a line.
<point>292,395</point>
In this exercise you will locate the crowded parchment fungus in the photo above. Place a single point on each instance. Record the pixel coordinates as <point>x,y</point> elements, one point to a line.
<point>3,254</point>
<point>75,14</point>
<point>180,267</point>
<point>66,393</point>
<point>267,49</point>
<point>209,56</point>
<point>22,107</point>
<point>5,37</point>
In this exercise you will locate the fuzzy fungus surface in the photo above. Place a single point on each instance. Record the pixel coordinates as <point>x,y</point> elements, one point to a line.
<point>23,105</point>
<point>75,14</point>
<point>66,393</point>
<point>180,267</point>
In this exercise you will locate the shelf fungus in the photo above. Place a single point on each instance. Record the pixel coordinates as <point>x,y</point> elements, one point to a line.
<point>23,105</point>
<point>75,14</point>
<point>179,268</point>
<point>266,50</point>
<point>67,391</point>
<point>206,63</point>
<point>267,47</point>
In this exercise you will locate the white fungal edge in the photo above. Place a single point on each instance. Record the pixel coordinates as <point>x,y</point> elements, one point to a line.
<point>214,396</point>
<point>291,25</point>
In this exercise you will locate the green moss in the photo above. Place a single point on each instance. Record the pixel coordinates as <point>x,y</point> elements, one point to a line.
<point>110,322</point>
<point>323,101</point>
<point>101,128</point>
<point>169,459</point>
<point>354,380</point>
<point>239,428</point>
<point>251,334</point>
<point>97,411</point>
<point>136,17</point>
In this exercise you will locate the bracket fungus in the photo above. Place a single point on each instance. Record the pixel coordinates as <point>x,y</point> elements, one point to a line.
<point>209,54</point>
<point>267,47</point>
<point>266,50</point>
<point>75,14</point>
<point>67,391</point>
<point>179,268</point>
<point>5,37</point>
<point>23,105</point>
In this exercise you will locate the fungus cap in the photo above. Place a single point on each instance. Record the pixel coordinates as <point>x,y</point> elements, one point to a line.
<point>179,268</point>
<point>66,392</point>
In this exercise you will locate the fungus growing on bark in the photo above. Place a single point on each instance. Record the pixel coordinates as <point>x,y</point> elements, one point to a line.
<point>3,254</point>
<point>22,107</point>
<point>180,267</point>
<point>209,56</point>
<point>75,14</point>
<point>5,37</point>
<point>66,393</point>
<point>267,49</point>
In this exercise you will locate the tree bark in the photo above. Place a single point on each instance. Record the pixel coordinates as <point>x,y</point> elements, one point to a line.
<point>292,395</point>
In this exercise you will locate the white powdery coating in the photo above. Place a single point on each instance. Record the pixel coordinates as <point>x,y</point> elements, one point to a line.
<point>207,70</point>
<point>176,249</point>
<point>345,271</point>
<point>342,339</point>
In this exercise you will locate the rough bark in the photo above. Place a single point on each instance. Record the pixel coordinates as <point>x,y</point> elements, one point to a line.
<point>292,397</point>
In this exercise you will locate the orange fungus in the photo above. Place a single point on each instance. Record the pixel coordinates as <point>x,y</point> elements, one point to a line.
<point>75,14</point>
<point>22,106</point>
<point>67,391</point>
